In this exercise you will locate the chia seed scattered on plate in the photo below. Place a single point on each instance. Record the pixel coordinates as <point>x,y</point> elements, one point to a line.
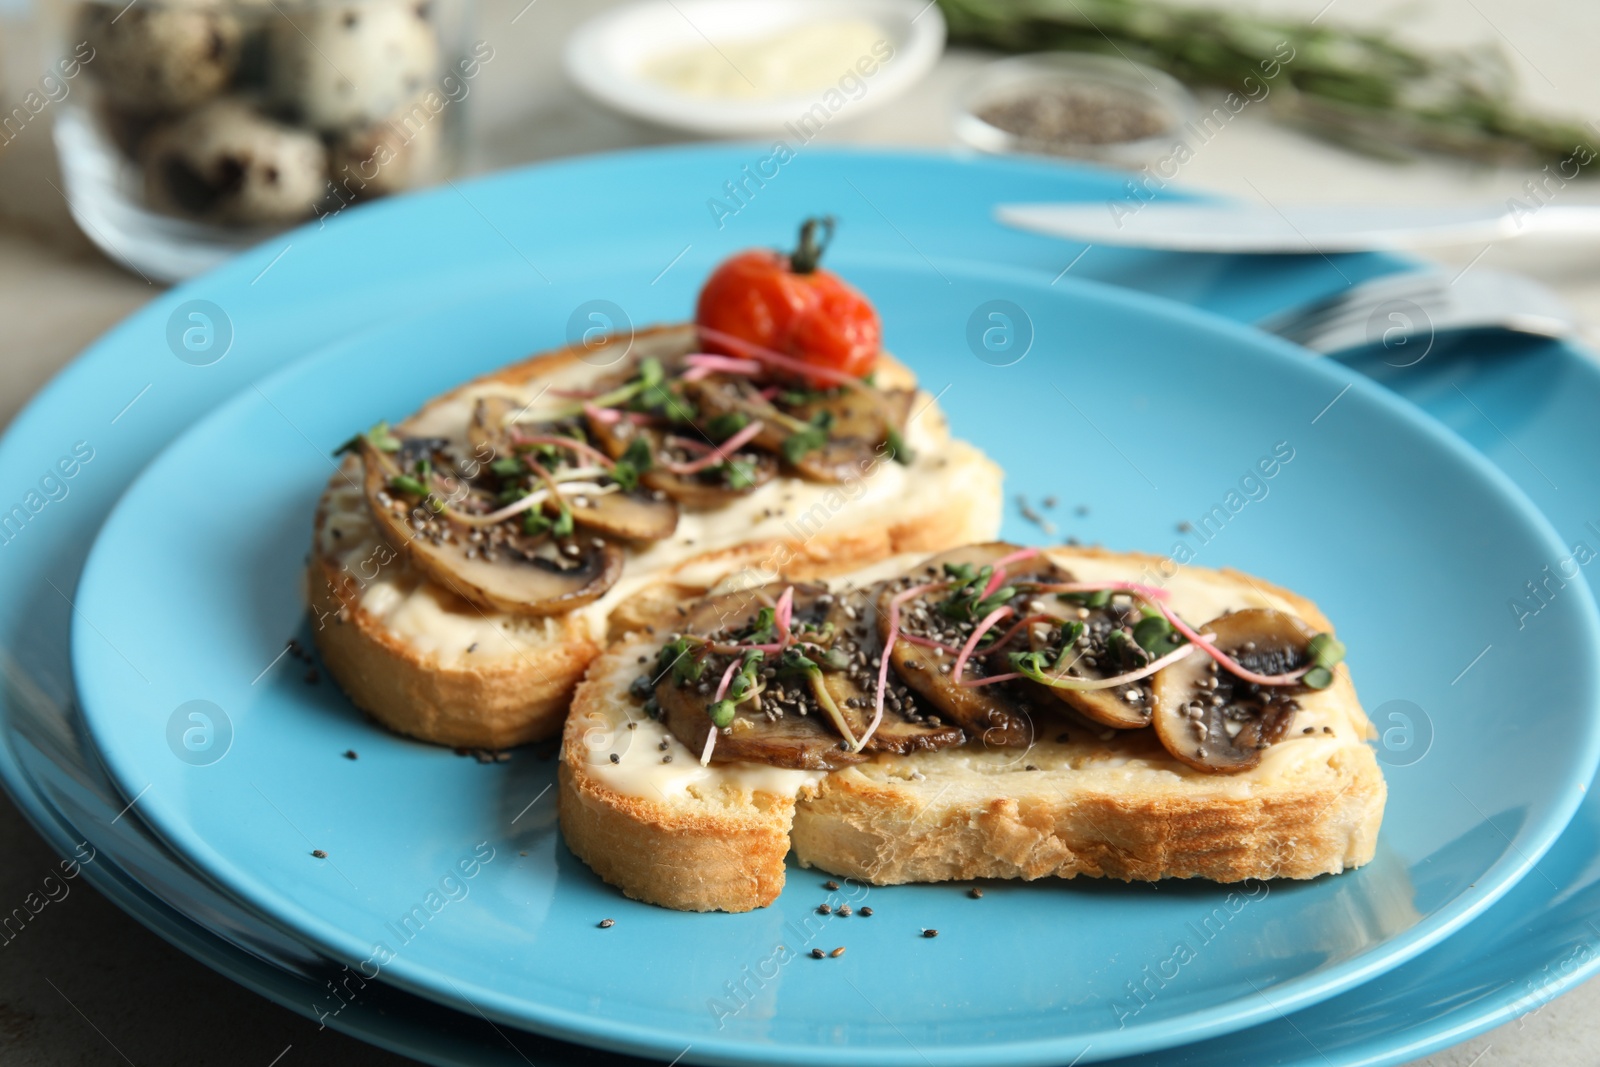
<point>317,852</point>
<point>606,924</point>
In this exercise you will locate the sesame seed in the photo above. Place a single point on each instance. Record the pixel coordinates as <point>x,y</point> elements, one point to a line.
<point>823,909</point>
<point>830,884</point>
<point>866,912</point>
<point>606,924</point>
<point>321,855</point>
<point>975,893</point>
<point>930,933</point>
<point>845,910</point>
<point>817,954</point>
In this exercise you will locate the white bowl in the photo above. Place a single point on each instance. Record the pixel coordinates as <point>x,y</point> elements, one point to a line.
<point>605,57</point>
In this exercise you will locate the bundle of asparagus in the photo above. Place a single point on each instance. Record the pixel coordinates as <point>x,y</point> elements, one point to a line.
<point>1356,87</point>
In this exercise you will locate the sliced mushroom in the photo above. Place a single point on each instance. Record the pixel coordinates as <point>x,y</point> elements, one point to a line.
<point>640,515</point>
<point>722,395</point>
<point>854,689</point>
<point>489,432</point>
<point>803,742</point>
<point>690,490</point>
<point>1213,720</point>
<point>734,611</point>
<point>519,574</point>
<point>861,421</point>
<point>807,742</point>
<point>999,714</point>
<point>858,423</point>
<point>1127,707</point>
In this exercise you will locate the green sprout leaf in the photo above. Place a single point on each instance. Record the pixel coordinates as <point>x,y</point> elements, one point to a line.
<point>726,425</point>
<point>678,658</point>
<point>534,524</point>
<point>379,437</point>
<point>803,442</point>
<point>404,483</point>
<point>899,451</point>
<point>1317,678</point>
<point>1156,636</point>
<point>636,459</point>
<point>740,474</point>
<point>508,467</point>
<point>1325,650</point>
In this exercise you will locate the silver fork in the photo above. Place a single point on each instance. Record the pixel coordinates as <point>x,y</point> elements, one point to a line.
<point>1405,312</point>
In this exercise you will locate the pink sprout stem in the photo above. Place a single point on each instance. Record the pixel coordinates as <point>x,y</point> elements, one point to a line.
<point>888,647</point>
<point>783,614</point>
<point>720,454</point>
<point>978,631</point>
<point>779,360</point>
<point>706,363</point>
<point>1227,661</point>
<point>565,442</point>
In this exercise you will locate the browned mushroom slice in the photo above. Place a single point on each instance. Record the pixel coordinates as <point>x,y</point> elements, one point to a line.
<point>1214,721</point>
<point>489,432</point>
<point>690,490</point>
<point>1096,655</point>
<point>859,424</point>
<point>640,515</point>
<point>996,714</point>
<point>719,396</point>
<point>806,741</point>
<point>854,688</point>
<point>507,570</point>
<point>803,742</point>
<point>732,612</point>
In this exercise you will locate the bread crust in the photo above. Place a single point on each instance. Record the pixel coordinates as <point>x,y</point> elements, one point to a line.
<point>508,700</point>
<point>975,813</point>
<point>886,835</point>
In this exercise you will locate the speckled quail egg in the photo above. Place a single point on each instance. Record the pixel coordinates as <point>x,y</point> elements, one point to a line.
<point>160,57</point>
<point>229,164</point>
<point>387,157</point>
<point>349,64</point>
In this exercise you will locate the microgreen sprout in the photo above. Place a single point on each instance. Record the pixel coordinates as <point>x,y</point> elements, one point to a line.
<point>1325,652</point>
<point>379,437</point>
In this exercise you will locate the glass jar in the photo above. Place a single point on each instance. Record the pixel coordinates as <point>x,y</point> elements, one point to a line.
<point>1101,108</point>
<point>204,126</point>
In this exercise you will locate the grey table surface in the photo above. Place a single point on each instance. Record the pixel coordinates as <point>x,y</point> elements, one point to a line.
<point>85,984</point>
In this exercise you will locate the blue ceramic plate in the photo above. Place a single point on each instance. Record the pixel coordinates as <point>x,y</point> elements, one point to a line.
<point>1149,415</point>
<point>1531,411</point>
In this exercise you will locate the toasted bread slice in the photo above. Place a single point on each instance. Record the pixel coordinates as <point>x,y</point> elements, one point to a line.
<point>641,810</point>
<point>434,665</point>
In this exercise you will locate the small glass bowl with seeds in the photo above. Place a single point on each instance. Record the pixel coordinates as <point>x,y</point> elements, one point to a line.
<point>1082,106</point>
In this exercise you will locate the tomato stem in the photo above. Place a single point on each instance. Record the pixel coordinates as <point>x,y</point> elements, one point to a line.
<point>805,258</point>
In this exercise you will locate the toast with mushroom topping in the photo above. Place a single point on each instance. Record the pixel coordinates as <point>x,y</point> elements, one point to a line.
<point>468,560</point>
<point>989,712</point>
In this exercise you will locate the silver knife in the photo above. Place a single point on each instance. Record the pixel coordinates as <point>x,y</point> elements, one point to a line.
<point>1204,226</point>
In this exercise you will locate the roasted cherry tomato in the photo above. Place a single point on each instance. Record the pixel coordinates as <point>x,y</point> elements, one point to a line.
<point>786,303</point>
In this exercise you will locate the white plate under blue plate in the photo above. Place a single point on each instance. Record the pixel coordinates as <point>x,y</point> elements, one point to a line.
<point>1527,405</point>
<point>1160,415</point>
